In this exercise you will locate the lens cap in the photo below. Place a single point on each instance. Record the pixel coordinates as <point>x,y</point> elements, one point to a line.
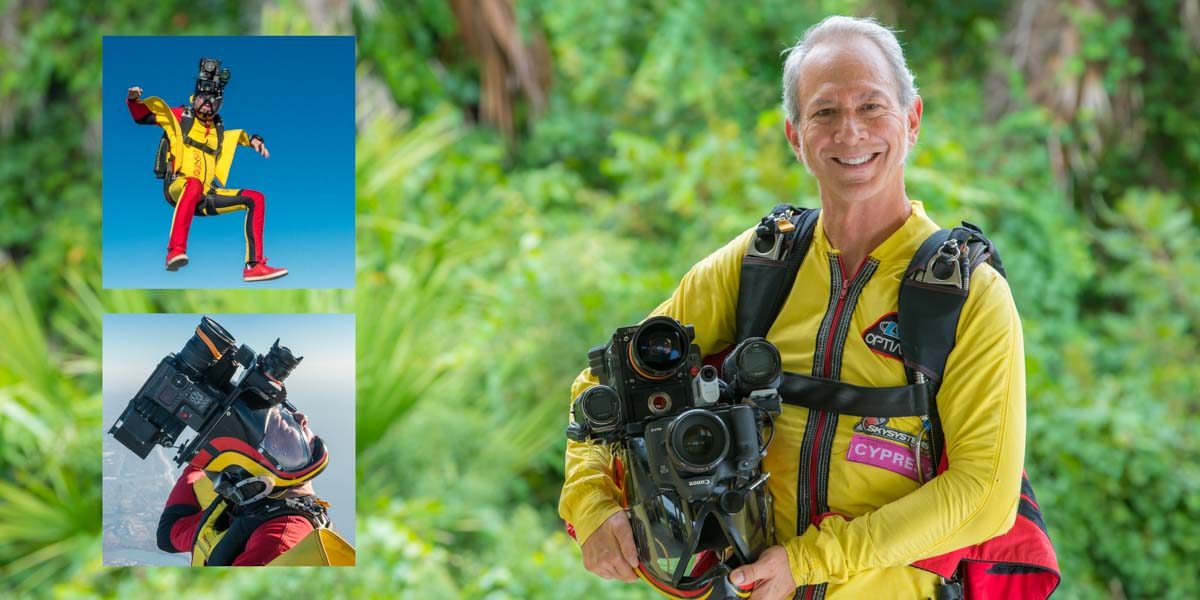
<point>731,502</point>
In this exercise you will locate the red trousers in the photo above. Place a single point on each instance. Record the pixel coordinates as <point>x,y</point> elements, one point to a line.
<point>188,197</point>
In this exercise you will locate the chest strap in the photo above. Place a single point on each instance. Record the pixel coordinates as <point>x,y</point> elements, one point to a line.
<point>847,399</point>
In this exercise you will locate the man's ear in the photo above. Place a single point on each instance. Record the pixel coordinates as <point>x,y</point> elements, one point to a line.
<point>793,138</point>
<point>914,121</point>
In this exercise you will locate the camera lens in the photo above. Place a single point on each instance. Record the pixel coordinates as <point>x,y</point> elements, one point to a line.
<point>764,243</point>
<point>659,348</point>
<point>224,75</point>
<point>279,362</point>
<point>758,363</point>
<point>208,65</point>
<point>699,440</point>
<point>599,405</point>
<point>206,345</point>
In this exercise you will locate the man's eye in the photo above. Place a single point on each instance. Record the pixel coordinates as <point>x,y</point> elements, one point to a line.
<point>824,112</point>
<point>871,106</point>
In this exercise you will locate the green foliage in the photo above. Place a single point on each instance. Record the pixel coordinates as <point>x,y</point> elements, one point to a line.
<point>486,269</point>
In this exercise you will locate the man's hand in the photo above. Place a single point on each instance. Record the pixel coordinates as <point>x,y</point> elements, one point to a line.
<point>610,551</point>
<point>135,93</point>
<point>771,575</point>
<point>260,147</point>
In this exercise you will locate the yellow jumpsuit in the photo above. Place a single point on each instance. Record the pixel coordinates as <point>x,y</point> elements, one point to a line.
<point>855,467</point>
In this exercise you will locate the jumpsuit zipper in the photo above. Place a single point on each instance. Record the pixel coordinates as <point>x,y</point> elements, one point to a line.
<point>826,372</point>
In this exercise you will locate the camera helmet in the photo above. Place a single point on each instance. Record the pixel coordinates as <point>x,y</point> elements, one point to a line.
<point>210,83</point>
<point>253,453</point>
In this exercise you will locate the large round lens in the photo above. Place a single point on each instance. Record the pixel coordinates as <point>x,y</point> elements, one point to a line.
<point>699,440</point>
<point>206,345</point>
<point>279,362</point>
<point>758,363</point>
<point>659,348</point>
<point>599,405</point>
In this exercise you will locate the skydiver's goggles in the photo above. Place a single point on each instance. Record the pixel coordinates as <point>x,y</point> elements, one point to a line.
<point>211,82</point>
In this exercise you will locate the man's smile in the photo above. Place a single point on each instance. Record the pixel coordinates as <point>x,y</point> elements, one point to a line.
<point>858,161</point>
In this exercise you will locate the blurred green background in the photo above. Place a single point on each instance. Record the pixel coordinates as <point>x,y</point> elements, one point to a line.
<point>530,178</point>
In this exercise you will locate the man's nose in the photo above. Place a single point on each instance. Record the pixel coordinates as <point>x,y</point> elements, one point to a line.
<point>850,130</point>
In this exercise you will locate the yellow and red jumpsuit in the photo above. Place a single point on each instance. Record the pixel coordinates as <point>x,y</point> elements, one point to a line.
<point>181,518</point>
<point>190,189</point>
<point>850,509</point>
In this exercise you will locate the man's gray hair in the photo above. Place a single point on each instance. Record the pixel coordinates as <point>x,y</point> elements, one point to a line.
<point>839,27</point>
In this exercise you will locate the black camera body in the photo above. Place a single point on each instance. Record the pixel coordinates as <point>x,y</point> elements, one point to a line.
<point>195,388</point>
<point>211,79</point>
<point>646,371</point>
<point>705,452</point>
<point>699,433</point>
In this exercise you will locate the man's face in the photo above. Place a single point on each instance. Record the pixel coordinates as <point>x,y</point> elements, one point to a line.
<point>204,105</point>
<point>853,134</point>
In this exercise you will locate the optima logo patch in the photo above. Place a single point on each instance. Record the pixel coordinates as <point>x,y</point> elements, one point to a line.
<point>884,336</point>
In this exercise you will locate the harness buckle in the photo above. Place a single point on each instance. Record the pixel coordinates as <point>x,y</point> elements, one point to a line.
<point>944,268</point>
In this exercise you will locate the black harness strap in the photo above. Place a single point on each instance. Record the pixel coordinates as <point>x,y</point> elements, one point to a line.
<point>767,281</point>
<point>848,399</point>
<point>248,518</point>
<point>932,296</point>
<point>163,167</point>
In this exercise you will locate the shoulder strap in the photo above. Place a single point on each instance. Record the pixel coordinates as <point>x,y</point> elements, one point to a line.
<point>769,268</point>
<point>250,517</point>
<point>932,296</point>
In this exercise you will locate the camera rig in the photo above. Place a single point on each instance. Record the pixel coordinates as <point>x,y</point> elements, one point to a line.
<point>197,389</point>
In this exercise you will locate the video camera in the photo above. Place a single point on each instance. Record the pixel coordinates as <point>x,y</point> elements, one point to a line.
<point>689,443</point>
<point>212,78</point>
<point>197,387</point>
<point>699,429</point>
<point>653,370</point>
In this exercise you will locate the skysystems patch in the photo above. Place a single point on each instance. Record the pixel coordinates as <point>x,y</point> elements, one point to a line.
<point>883,337</point>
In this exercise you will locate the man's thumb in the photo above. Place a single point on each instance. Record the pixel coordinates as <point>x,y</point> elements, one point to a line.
<point>743,576</point>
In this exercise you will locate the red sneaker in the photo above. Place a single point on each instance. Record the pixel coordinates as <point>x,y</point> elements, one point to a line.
<point>261,272</point>
<point>176,261</point>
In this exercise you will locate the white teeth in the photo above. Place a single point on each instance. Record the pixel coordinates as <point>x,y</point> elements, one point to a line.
<point>856,161</point>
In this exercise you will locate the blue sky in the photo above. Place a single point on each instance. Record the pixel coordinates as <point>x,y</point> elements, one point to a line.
<point>296,92</point>
<point>322,386</point>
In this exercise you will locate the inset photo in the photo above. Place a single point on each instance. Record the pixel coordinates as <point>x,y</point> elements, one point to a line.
<point>229,440</point>
<point>228,162</point>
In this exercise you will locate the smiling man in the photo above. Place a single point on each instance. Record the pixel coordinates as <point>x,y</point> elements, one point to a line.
<point>856,500</point>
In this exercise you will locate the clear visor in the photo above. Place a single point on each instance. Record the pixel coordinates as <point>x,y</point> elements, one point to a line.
<point>683,544</point>
<point>289,444</point>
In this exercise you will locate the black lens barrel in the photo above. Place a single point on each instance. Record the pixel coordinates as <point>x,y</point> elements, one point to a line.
<point>599,406</point>
<point>280,362</point>
<point>697,440</point>
<point>659,347</point>
<point>209,342</point>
